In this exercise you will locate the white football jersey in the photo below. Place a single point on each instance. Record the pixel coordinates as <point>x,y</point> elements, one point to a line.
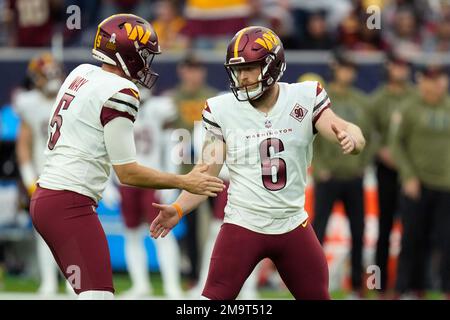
<point>148,130</point>
<point>34,108</point>
<point>76,156</point>
<point>268,155</point>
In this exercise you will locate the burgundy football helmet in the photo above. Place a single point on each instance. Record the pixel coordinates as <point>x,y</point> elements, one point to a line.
<point>130,43</point>
<point>46,73</point>
<point>255,45</point>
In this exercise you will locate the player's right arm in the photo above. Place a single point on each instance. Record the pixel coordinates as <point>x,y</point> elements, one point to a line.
<point>198,181</point>
<point>119,142</point>
<point>117,116</point>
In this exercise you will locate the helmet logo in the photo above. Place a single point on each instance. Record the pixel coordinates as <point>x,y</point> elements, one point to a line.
<point>113,38</point>
<point>137,33</point>
<point>268,40</point>
<point>111,45</point>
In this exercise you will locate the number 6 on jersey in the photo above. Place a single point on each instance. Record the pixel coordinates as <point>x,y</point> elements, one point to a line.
<point>272,181</point>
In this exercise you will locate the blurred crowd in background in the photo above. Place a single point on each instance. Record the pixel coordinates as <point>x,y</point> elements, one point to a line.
<point>408,25</point>
<point>406,120</point>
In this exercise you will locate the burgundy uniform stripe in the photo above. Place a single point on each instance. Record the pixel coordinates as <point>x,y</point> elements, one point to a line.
<point>318,116</point>
<point>320,103</point>
<point>109,114</point>
<point>207,107</point>
<point>131,93</point>
<point>319,89</point>
<point>124,103</point>
<point>210,122</point>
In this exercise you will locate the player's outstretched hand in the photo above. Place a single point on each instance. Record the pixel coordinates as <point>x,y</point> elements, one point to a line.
<point>165,221</point>
<point>199,182</point>
<point>348,144</point>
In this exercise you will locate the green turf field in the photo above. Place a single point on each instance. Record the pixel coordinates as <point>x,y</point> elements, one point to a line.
<point>14,285</point>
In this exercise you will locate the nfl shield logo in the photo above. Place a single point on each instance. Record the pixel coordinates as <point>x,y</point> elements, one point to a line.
<point>298,113</point>
<point>268,124</point>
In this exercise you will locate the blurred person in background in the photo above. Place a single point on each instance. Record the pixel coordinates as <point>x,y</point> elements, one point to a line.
<point>370,35</point>
<point>335,12</point>
<point>136,203</point>
<point>168,24</point>
<point>384,102</point>
<point>90,15</point>
<point>32,23</point>
<point>317,36</point>
<point>34,109</point>
<point>348,31</point>
<point>5,19</point>
<point>421,147</point>
<point>273,14</point>
<point>337,177</point>
<point>438,40</point>
<point>405,35</point>
<point>189,97</point>
<point>143,8</point>
<point>210,22</point>
<point>353,32</point>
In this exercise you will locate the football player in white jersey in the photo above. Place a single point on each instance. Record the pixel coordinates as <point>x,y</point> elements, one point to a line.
<point>136,203</point>
<point>34,107</point>
<point>91,128</point>
<point>265,131</point>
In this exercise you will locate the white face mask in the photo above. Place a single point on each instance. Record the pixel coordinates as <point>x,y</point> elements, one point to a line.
<point>52,86</point>
<point>252,94</point>
<point>249,93</point>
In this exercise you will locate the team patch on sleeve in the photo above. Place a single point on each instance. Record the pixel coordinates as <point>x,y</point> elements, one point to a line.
<point>124,103</point>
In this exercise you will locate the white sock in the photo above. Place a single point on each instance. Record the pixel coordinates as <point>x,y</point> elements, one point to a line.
<point>214,229</point>
<point>249,290</point>
<point>136,259</point>
<point>168,253</point>
<point>96,295</point>
<point>47,266</point>
<point>69,289</point>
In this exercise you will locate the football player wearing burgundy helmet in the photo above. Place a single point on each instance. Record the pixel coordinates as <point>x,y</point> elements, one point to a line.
<point>264,131</point>
<point>91,128</point>
<point>129,43</point>
<point>256,48</point>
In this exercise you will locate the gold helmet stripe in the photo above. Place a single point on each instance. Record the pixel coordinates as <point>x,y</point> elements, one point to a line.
<point>236,44</point>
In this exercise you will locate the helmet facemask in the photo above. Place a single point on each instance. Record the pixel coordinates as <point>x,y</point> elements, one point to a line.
<point>147,77</point>
<point>246,93</point>
<point>130,43</point>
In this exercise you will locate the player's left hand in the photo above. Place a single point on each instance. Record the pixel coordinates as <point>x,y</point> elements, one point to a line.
<point>347,142</point>
<point>165,221</point>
